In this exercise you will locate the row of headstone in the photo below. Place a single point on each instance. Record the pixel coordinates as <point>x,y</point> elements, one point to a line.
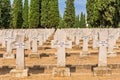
<point>93,34</point>
<point>9,37</point>
<point>102,39</point>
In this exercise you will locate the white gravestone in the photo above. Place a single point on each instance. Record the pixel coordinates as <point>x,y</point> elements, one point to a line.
<point>8,54</point>
<point>111,42</point>
<point>61,45</point>
<point>20,70</point>
<point>102,68</point>
<point>34,53</point>
<point>95,40</point>
<point>20,65</point>
<point>102,60</point>
<point>112,39</point>
<point>85,46</point>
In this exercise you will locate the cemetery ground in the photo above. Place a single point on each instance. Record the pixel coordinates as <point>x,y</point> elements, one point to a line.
<point>41,68</point>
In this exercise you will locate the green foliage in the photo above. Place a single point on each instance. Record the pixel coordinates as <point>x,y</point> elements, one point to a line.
<point>17,19</point>
<point>25,14</point>
<point>69,14</point>
<point>90,14</point>
<point>82,21</point>
<point>44,13</point>
<point>103,13</point>
<point>49,13</point>
<point>5,9</point>
<point>77,24</point>
<point>62,23</point>
<point>34,14</point>
<point>0,16</point>
<point>53,13</point>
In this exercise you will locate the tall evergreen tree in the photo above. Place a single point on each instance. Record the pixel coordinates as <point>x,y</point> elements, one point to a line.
<point>53,13</point>
<point>0,16</point>
<point>118,9</point>
<point>90,14</point>
<point>117,14</point>
<point>77,24</point>
<point>25,14</point>
<point>49,13</point>
<point>61,23</point>
<point>82,20</point>
<point>17,19</point>
<point>34,14</point>
<point>5,13</point>
<point>44,13</point>
<point>69,15</point>
<point>103,13</point>
<point>40,4</point>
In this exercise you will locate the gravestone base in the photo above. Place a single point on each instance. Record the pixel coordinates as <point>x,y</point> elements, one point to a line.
<point>102,71</point>
<point>19,73</point>
<point>61,72</point>
<point>8,56</point>
<point>111,54</point>
<point>34,55</point>
<point>84,53</point>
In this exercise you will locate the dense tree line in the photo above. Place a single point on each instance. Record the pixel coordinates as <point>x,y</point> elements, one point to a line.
<point>5,15</point>
<point>39,14</point>
<point>45,14</point>
<point>102,13</point>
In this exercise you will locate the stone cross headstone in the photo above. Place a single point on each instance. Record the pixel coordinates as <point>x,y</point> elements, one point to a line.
<point>103,44</point>
<point>95,39</point>
<point>77,37</point>
<point>61,45</point>
<point>102,53</point>
<point>85,46</point>
<point>20,61</point>
<point>8,53</point>
<point>34,45</point>
<point>20,70</point>
<point>111,43</point>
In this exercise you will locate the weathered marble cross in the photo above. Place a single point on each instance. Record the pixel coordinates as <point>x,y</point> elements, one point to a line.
<point>61,45</point>
<point>34,44</point>
<point>103,44</point>
<point>8,53</point>
<point>20,61</point>
<point>102,60</point>
<point>85,46</point>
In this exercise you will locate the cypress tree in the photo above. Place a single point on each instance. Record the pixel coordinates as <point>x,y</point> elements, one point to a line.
<point>77,24</point>
<point>25,14</point>
<point>0,16</point>
<point>40,3</point>
<point>90,9</point>
<point>34,15</point>
<point>82,20</point>
<point>117,20</point>
<point>17,14</point>
<point>44,13</point>
<point>61,23</point>
<point>53,14</point>
<point>5,13</point>
<point>69,14</point>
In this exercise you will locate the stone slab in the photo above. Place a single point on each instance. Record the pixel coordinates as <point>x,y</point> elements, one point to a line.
<point>61,72</point>
<point>34,55</point>
<point>102,71</point>
<point>8,56</point>
<point>19,73</point>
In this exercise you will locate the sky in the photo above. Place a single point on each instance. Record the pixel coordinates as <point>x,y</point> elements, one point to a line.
<point>80,6</point>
